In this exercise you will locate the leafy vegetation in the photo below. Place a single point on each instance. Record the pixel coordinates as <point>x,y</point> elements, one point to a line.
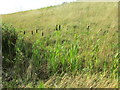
<point>80,47</point>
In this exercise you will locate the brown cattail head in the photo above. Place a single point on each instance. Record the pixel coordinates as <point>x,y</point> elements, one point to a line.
<point>42,34</point>
<point>88,27</point>
<point>59,27</point>
<point>24,32</point>
<point>32,32</point>
<point>36,30</point>
<point>56,27</point>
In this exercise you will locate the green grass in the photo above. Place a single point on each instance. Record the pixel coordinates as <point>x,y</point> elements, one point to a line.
<point>73,49</point>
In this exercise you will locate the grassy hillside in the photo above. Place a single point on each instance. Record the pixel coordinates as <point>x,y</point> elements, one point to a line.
<point>96,14</point>
<point>86,44</point>
<point>71,16</point>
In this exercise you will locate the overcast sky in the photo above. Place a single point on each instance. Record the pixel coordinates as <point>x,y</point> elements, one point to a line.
<point>11,6</point>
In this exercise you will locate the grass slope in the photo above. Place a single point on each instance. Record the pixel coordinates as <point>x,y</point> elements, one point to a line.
<point>74,48</point>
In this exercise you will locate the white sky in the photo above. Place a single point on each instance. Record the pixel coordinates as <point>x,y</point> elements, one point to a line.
<point>11,6</point>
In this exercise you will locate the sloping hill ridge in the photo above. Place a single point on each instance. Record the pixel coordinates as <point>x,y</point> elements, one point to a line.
<point>77,15</point>
<point>80,14</point>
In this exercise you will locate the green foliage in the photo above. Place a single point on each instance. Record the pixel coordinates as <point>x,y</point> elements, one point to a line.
<point>9,37</point>
<point>41,85</point>
<point>16,57</point>
<point>72,49</point>
<point>39,54</point>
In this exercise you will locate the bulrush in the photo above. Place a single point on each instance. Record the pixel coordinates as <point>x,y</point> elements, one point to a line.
<point>36,30</point>
<point>24,32</point>
<point>32,32</point>
<point>88,27</point>
<point>42,34</point>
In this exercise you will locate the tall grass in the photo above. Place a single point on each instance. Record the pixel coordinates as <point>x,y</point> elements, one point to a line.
<point>68,57</point>
<point>73,49</point>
